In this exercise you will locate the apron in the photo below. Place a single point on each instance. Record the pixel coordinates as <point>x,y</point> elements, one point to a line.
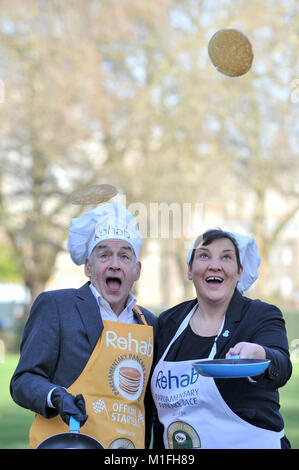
<point>113,384</point>
<point>193,412</point>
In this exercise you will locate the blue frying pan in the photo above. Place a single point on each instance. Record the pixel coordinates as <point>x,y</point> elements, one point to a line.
<point>234,367</point>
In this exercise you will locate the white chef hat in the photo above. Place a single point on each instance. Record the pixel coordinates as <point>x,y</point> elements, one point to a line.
<point>249,259</point>
<point>105,222</point>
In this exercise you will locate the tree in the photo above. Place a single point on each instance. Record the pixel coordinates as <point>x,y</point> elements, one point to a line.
<point>141,106</point>
<point>45,151</point>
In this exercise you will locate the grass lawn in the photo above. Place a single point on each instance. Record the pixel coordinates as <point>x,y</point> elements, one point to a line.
<point>15,421</point>
<point>290,407</point>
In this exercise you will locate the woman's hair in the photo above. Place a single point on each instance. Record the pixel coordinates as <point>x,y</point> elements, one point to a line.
<point>208,237</point>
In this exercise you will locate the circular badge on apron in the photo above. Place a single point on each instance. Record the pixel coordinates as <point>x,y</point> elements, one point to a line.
<point>181,435</point>
<point>122,443</point>
<point>129,379</point>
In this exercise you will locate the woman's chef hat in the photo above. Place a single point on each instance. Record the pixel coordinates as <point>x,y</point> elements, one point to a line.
<point>249,259</point>
<point>105,222</point>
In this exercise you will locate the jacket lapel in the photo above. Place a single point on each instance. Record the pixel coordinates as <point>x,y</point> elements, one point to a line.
<point>90,314</point>
<point>176,319</point>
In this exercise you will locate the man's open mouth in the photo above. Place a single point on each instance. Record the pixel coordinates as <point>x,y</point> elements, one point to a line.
<point>113,283</point>
<point>214,280</point>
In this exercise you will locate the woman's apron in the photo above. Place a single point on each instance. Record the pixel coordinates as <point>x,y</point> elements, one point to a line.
<point>193,412</point>
<point>113,384</point>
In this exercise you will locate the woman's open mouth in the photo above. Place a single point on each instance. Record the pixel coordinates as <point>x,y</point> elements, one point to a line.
<point>113,284</point>
<point>214,280</point>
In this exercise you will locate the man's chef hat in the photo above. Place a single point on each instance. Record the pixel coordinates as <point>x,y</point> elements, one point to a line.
<point>105,222</point>
<point>249,259</point>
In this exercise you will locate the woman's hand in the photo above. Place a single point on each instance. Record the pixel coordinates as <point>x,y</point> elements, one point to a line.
<point>247,351</point>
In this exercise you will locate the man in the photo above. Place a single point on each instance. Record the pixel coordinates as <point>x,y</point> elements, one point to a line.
<point>87,353</point>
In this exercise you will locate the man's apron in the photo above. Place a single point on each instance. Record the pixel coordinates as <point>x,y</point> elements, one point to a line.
<point>193,412</point>
<point>113,384</point>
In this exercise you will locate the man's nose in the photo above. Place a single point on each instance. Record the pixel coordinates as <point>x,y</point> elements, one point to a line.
<point>114,262</point>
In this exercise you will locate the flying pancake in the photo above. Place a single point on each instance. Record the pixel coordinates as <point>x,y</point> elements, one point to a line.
<point>230,52</point>
<point>93,194</point>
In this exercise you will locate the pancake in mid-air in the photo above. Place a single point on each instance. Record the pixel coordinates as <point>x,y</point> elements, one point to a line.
<point>93,194</point>
<point>231,53</point>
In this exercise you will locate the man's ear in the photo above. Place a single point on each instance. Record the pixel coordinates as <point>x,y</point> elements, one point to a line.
<point>138,270</point>
<point>87,268</point>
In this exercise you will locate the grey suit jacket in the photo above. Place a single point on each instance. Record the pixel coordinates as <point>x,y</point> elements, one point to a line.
<point>59,337</point>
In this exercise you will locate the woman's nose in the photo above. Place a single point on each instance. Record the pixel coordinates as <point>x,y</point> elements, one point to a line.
<point>215,264</point>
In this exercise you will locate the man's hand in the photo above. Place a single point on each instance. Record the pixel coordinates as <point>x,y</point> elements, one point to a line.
<point>69,405</point>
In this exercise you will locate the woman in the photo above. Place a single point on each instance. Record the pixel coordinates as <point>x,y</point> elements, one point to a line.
<point>201,412</point>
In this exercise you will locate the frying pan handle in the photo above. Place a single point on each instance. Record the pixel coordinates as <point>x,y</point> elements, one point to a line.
<point>234,356</point>
<point>74,425</point>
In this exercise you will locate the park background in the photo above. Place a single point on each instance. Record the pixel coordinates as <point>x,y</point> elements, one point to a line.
<point>123,92</point>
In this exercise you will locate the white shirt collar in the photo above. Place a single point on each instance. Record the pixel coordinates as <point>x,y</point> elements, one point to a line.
<point>126,316</point>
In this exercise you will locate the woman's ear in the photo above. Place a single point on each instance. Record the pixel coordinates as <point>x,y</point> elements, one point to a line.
<point>189,274</point>
<point>240,273</point>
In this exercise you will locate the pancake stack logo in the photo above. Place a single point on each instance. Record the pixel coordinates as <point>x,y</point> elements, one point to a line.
<point>129,379</point>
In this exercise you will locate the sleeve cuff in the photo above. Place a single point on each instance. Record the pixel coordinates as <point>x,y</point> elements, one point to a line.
<point>49,402</point>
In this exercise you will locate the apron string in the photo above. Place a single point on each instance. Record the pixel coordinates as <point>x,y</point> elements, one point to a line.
<point>183,326</point>
<point>141,314</point>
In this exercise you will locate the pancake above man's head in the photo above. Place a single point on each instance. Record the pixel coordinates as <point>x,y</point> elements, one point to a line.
<point>93,194</point>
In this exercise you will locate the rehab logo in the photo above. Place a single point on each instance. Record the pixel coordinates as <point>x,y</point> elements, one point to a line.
<point>129,343</point>
<point>171,381</point>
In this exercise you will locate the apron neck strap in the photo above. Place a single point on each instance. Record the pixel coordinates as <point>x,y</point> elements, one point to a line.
<point>184,325</point>
<point>214,347</point>
<point>181,328</point>
<point>137,310</point>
